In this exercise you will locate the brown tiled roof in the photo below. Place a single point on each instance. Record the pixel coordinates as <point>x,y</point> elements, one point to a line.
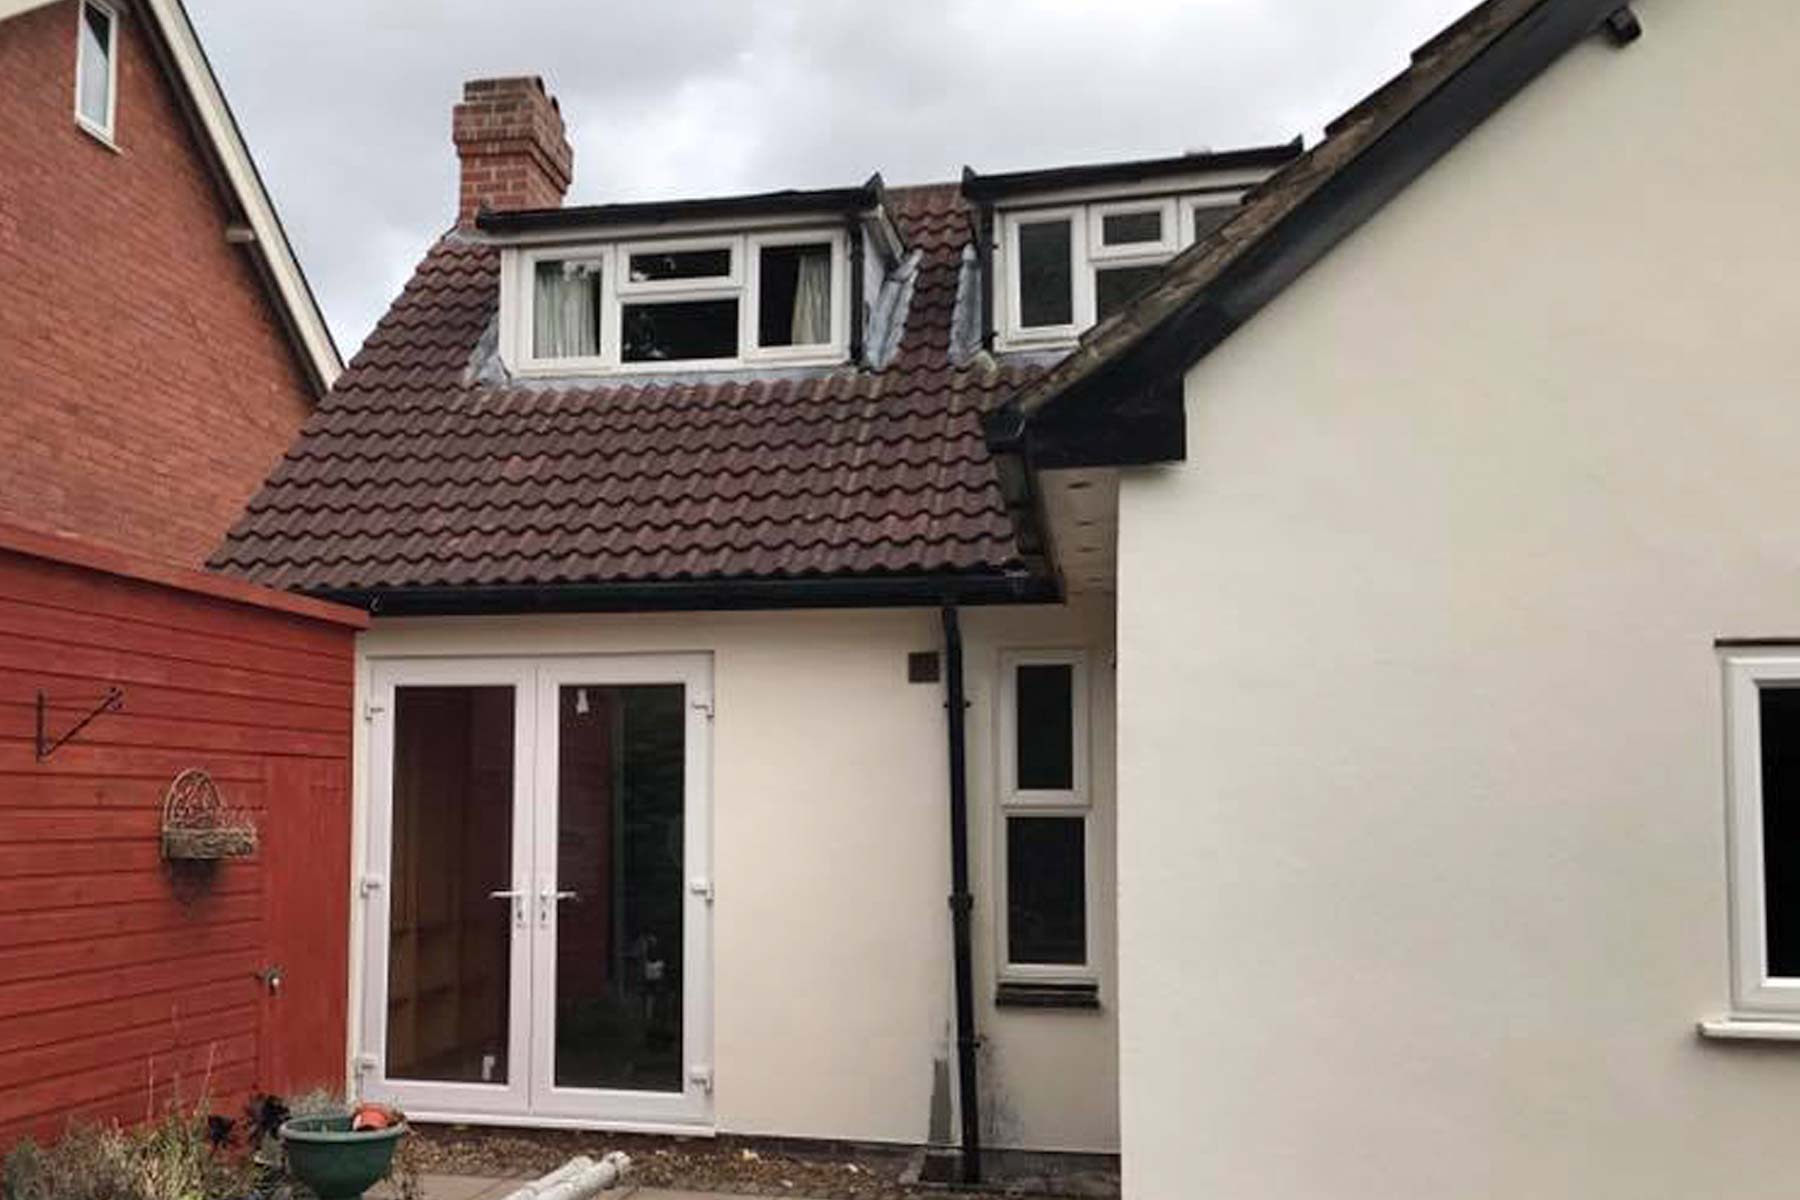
<point>413,473</point>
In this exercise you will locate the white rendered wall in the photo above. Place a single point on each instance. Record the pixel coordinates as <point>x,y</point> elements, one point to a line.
<point>831,835</point>
<point>1422,841</point>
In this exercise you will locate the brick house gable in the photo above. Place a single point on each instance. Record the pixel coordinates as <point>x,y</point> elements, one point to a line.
<point>151,380</point>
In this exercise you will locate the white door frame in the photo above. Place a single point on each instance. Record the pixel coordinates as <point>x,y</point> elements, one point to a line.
<point>529,1096</point>
<point>693,1104</point>
<point>430,1096</point>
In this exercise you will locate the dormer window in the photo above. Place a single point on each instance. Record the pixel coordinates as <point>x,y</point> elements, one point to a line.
<point>1065,268</point>
<point>679,304</point>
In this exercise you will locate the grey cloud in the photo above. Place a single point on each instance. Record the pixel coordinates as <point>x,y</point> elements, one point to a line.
<point>346,103</point>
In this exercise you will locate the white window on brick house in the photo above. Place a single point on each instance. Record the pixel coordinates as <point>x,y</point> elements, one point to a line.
<point>1762,696</point>
<point>689,303</point>
<point>1046,843</point>
<point>96,67</point>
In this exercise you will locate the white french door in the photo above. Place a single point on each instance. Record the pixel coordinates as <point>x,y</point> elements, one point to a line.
<point>537,942</point>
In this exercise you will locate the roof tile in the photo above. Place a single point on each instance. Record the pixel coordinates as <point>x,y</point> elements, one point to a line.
<point>412,474</point>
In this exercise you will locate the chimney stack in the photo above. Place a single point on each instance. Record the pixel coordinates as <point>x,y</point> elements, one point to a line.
<point>509,138</point>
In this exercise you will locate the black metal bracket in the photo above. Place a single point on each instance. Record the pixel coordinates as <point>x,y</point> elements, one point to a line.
<point>1622,26</point>
<point>113,701</point>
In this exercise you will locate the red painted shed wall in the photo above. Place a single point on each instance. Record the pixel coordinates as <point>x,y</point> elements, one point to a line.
<point>118,992</point>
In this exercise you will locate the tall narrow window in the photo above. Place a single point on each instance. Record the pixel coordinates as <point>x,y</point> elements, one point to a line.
<point>1044,813</point>
<point>96,67</point>
<point>1046,273</point>
<point>1763,705</point>
<point>565,309</point>
<point>794,295</point>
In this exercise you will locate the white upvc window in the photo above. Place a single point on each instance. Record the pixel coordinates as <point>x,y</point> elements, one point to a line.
<point>96,67</point>
<point>1047,924</point>
<point>1064,269</point>
<point>1200,215</point>
<point>688,303</point>
<point>1762,704</point>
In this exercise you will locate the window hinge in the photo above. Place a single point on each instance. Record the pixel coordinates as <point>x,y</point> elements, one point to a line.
<point>371,710</point>
<point>701,887</point>
<point>366,1063</point>
<point>368,885</point>
<point>701,1077</point>
<point>706,707</point>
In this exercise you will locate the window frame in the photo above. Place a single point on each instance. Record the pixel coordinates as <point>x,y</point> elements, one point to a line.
<point>1081,283</point>
<point>523,306</point>
<point>741,284</point>
<point>1089,255</point>
<point>104,132</point>
<point>1754,990</point>
<point>1133,254</point>
<point>837,346</point>
<point>1076,803</point>
<point>1187,205</point>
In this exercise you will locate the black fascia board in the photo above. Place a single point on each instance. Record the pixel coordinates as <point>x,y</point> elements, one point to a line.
<point>979,187</point>
<point>824,201</point>
<point>896,591</point>
<point>1364,185</point>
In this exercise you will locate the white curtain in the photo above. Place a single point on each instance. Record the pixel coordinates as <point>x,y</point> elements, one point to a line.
<point>812,299</point>
<point>565,310</point>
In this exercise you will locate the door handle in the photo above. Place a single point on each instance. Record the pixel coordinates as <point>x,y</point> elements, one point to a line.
<point>517,896</point>
<point>546,897</point>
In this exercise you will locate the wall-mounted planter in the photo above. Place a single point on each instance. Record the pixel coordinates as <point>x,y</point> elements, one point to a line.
<point>197,827</point>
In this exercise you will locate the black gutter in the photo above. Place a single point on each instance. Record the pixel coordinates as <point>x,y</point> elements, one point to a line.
<point>854,269</point>
<point>897,591</point>
<point>961,901</point>
<point>979,187</point>
<point>824,201</point>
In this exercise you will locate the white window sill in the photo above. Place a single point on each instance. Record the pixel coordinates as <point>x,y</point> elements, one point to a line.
<point>97,133</point>
<point>1750,1029</point>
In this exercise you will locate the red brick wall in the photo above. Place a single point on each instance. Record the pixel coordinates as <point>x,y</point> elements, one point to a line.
<point>511,147</point>
<point>122,986</point>
<point>146,385</point>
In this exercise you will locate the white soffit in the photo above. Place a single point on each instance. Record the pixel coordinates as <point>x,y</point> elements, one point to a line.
<point>1081,511</point>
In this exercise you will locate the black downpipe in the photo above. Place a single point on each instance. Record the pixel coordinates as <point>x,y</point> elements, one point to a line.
<point>961,901</point>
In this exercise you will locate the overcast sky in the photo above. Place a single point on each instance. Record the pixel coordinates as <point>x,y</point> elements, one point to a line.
<point>346,103</point>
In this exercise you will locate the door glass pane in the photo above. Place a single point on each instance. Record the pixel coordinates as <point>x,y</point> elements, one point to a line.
<point>449,942</point>
<point>620,802</point>
<point>1780,713</point>
<point>1044,727</point>
<point>1046,890</point>
<point>1046,278</point>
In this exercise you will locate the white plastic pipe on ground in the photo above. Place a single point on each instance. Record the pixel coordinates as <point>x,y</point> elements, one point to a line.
<point>577,1179</point>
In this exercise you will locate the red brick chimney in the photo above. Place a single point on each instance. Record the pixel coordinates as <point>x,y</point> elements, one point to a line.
<point>509,136</point>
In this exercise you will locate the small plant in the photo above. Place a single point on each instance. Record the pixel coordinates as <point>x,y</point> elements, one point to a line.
<point>171,1158</point>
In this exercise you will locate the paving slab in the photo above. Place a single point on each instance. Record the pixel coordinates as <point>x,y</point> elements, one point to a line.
<point>488,1187</point>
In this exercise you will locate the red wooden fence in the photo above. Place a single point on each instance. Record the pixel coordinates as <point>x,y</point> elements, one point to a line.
<point>123,986</point>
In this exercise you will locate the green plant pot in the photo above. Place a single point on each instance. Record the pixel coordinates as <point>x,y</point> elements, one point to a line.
<point>335,1161</point>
